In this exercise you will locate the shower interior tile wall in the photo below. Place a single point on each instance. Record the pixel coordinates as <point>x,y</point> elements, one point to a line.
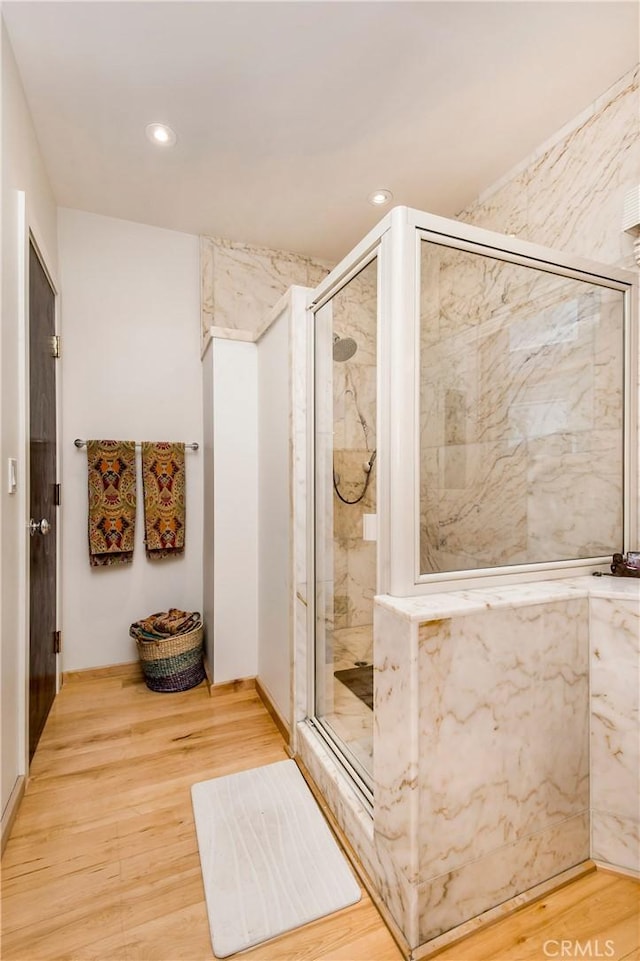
<point>354,406</point>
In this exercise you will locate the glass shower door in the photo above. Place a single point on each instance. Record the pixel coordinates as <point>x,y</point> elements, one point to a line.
<point>345,516</point>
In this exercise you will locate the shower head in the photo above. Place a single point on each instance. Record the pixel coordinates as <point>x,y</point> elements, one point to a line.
<point>343,348</point>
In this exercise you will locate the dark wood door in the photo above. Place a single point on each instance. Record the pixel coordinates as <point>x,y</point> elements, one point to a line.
<point>42,438</point>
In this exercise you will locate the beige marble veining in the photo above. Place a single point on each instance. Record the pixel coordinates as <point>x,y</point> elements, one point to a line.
<point>569,193</point>
<point>241,283</point>
<point>354,409</point>
<point>557,484</point>
<point>615,841</point>
<point>503,873</point>
<point>615,716</point>
<point>525,368</point>
<point>396,739</point>
<point>488,712</point>
<point>355,313</point>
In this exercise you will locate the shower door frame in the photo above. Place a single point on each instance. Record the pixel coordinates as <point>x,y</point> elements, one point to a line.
<point>374,246</point>
<point>409,228</point>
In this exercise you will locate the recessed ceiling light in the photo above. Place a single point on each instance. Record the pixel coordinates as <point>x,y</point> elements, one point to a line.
<point>380,197</point>
<point>160,135</point>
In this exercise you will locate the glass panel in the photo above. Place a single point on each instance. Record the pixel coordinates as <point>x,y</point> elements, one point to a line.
<point>521,414</point>
<point>345,484</point>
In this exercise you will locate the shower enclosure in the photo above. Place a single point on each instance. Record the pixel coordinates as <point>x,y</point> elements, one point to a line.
<point>472,452</point>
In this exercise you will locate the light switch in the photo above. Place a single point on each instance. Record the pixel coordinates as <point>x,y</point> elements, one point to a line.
<point>12,475</point>
<point>369,527</point>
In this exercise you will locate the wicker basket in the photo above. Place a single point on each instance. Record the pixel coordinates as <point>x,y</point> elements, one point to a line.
<point>173,663</point>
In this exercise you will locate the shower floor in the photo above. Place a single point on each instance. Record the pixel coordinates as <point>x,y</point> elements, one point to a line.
<point>350,718</point>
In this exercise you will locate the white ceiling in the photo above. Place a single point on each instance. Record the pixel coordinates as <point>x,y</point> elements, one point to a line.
<point>289,114</point>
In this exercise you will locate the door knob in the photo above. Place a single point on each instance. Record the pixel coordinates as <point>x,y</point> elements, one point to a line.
<point>39,527</point>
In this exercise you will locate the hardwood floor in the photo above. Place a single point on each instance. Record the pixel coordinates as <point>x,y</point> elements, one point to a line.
<point>102,862</point>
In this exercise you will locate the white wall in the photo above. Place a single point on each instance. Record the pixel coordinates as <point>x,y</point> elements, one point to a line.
<point>274,513</point>
<point>131,371</point>
<point>22,170</point>
<point>231,518</point>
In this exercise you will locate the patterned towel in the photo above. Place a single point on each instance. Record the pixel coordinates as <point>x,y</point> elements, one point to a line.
<point>163,480</point>
<point>112,501</point>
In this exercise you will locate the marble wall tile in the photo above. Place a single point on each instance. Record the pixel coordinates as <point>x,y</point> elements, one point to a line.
<point>241,283</point>
<point>347,518</point>
<point>396,739</point>
<point>354,406</point>
<point>483,519</point>
<point>355,313</point>
<point>454,897</point>
<point>495,690</point>
<point>615,746</point>
<point>361,566</point>
<point>354,386</point>
<point>615,840</point>
<point>338,592</point>
<point>353,644</point>
<point>574,499</point>
<point>569,194</point>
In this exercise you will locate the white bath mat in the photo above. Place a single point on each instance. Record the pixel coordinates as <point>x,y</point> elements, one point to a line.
<point>269,861</point>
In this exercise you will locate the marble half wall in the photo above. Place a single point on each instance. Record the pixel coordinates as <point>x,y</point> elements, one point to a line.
<point>472,805</point>
<point>498,805</point>
<point>240,284</point>
<point>615,716</point>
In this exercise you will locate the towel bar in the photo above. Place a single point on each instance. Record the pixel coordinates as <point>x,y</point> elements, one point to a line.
<point>82,443</point>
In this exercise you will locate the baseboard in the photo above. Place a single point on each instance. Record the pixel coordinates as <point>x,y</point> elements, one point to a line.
<point>11,810</point>
<point>230,687</point>
<point>614,869</point>
<point>277,717</point>
<point>128,671</point>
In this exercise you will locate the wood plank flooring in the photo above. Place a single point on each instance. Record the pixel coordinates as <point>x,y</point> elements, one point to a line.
<point>102,862</point>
